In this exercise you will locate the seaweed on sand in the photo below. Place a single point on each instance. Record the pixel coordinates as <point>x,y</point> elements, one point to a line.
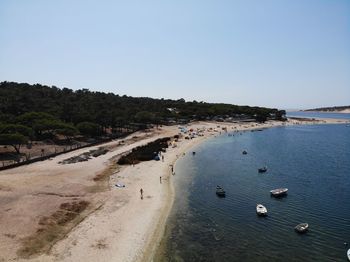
<point>145,153</point>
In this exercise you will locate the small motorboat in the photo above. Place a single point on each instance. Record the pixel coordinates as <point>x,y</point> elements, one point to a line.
<point>220,191</point>
<point>244,152</point>
<point>262,169</point>
<point>261,210</point>
<point>302,228</point>
<point>279,192</point>
<point>348,254</point>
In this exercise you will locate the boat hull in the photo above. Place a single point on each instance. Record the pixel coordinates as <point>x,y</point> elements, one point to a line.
<point>302,228</point>
<point>280,192</point>
<point>220,192</point>
<point>261,210</point>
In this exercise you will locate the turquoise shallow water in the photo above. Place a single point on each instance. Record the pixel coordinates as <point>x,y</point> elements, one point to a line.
<point>312,161</point>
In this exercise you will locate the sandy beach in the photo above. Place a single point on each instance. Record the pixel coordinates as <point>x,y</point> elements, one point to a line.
<point>345,111</point>
<point>115,223</point>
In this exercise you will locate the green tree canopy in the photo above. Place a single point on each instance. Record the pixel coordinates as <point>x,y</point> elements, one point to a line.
<point>40,107</point>
<point>66,130</point>
<point>14,140</point>
<point>89,129</point>
<point>144,117</point>
<point>14,135</point>
<point>16,129</point>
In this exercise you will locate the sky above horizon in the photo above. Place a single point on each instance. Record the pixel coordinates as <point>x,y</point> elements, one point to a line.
<point>291,54</point>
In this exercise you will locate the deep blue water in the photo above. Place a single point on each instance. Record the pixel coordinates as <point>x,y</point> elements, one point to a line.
<point>308,114</point>
<point>312,161</point>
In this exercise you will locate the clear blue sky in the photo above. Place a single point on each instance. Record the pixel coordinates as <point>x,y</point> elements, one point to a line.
<point>276,53</point>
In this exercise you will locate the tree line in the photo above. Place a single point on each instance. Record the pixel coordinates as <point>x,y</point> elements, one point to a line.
<point>36,112</point>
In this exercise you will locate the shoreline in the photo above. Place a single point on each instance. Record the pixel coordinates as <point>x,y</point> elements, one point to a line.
<point>152,246</point>
<point>157,245</point>
<point>344,111</point>
<point>191,232</point>
<point>124,228</point>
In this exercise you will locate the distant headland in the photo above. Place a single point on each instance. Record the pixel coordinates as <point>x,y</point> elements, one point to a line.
<point>334,109</point>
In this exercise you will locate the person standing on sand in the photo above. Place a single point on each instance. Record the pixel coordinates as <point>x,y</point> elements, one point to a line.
<point>141,192</point>
<point>162,158</point>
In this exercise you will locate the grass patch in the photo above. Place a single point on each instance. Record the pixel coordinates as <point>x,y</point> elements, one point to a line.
<point>53,228</point>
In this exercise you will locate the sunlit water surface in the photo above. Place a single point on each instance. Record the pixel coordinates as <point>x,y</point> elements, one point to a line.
<point>313,162</point>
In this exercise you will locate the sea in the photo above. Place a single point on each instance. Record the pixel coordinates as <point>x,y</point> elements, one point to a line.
<point>312,161</point>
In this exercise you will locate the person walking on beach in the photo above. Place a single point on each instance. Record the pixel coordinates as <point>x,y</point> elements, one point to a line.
<point>160,179</point>
<point>141,192</point>
<point>162,158</point>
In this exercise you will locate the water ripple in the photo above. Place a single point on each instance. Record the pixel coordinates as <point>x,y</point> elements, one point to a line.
<point>313,162</point>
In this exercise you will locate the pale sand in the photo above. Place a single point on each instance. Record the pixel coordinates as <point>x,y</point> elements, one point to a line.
<point>124,227</point>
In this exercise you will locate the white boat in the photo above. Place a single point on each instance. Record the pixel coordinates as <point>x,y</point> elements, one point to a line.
<point>279,192</point>
<point>301,228</point>
<point>348,254</point>
<point>261,210</point>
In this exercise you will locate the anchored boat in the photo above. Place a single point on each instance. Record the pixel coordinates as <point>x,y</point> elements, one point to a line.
<point>302,228</point>
<point>220,191</point>
<point>261,210</point>
<point>279,192</point>
<point>262,170</point>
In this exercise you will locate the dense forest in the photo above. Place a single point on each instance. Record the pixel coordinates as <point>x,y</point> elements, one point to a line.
<point>36,112</point>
